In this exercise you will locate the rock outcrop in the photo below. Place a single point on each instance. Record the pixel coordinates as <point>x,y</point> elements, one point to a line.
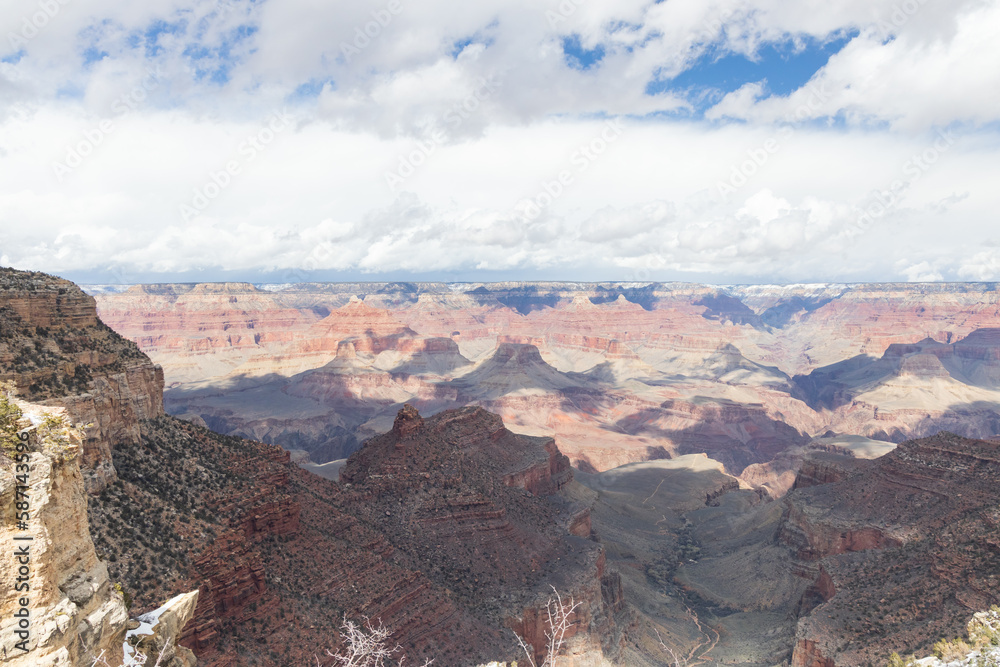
<point>474,503</point>
<point>111,411</point>
<point>58,353</point>
<point>60,597</point>
<point>159,630</point>
<point>904,540</point>
<point>64,609</point>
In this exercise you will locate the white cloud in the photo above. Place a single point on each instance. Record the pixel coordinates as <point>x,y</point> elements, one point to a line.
<point>317,196</point>
<point>936,69</point>
<point>921,272</point>
<point>982,266</point>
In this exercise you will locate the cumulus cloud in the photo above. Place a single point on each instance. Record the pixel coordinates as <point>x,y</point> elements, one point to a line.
<point>923,66</point>
<point>418,129</point>
<point>982,266</point>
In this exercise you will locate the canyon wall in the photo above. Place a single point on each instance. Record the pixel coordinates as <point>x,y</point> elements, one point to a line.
<point>63,601</point>
<point>615,373</point>
<point>899,548</point>
<point>56,352</point>
<point>63,608</point>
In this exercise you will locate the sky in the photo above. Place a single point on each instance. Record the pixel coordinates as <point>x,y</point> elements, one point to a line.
<point>718,141</point>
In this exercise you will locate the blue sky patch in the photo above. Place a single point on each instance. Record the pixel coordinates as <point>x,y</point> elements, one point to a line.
<point>786,66</point>
<point>311,89</point>
<point>578,57</point>
<point>477,38</point>
<point>460,45</point>
<point>152,35</point>
<point>93,54</point>
<point>215,63</point>
<point>70,92</point>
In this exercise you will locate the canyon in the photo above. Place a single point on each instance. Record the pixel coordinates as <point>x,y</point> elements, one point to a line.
<point>862,558</point>
<point>746,475</point>
<point>706,415</point>
<point>615,373</point>
<point>277,557</point>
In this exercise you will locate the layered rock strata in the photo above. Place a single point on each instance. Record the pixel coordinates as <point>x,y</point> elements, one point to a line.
<point>63,608</point>
<point>901,549</point>
<point>56,351</point>
<point>615,373</point>
<point>440,534</point>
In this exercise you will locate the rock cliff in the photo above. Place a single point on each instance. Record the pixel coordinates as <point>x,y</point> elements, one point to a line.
<point>57,352</point>
<point>618,373</point>
<point>903,545</point>
<point>64,609</point>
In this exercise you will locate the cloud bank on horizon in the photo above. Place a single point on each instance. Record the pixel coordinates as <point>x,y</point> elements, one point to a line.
<point>713,140</point>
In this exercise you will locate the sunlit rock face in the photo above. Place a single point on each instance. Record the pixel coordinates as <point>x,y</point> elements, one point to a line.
<point>65,610</point>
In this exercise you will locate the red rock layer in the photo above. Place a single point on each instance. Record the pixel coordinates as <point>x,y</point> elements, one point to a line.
<point>462,492</point>
<point>57,352</point>
<point>903,540</point>
<point>639,345</point>
<point>439,534</point>
<point>807,654</point>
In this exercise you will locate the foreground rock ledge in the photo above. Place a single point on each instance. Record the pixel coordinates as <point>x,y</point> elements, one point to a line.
<point>74,612</point>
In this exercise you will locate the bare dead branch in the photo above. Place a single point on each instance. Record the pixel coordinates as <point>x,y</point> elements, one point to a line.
<point>367,646</point>
<point>559,614</point>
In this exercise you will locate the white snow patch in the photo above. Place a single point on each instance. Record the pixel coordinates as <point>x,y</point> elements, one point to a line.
<point>94,290</point>
<point>147,622</point>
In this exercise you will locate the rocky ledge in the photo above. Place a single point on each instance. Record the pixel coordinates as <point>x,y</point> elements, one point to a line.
<point>903,551</point>
<point>56,352</point>
<point>65,609</point>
